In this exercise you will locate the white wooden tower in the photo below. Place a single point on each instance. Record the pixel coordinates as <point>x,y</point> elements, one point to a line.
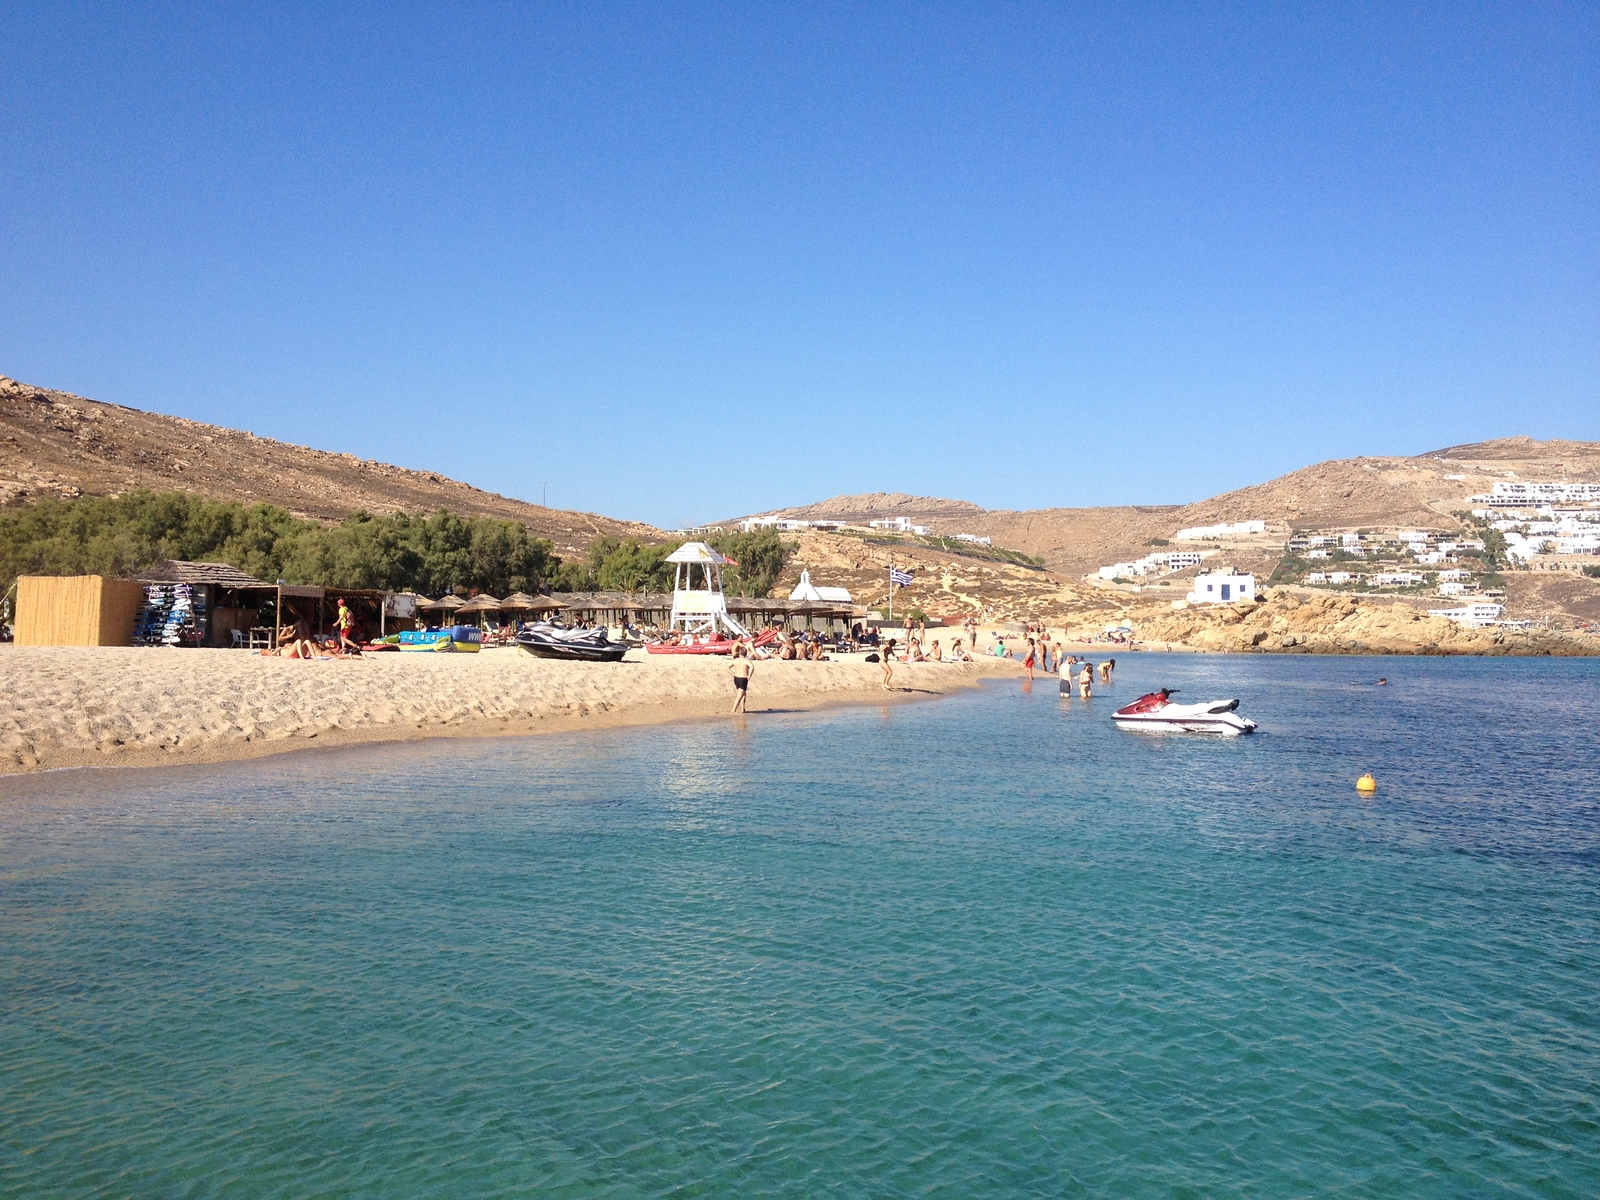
<point>698,605</point>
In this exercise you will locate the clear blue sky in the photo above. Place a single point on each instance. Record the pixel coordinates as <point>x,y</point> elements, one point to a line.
<point>686,262</point>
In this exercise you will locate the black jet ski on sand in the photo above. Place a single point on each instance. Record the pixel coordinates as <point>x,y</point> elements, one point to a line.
<point>575,645</point>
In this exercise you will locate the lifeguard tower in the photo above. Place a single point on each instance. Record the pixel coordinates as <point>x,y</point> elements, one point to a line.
<point>701,609</point>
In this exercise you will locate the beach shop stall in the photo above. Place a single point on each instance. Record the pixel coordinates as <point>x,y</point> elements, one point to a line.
<point>203,604</point>
<point>76,610</point>
<point>399,613</point>
<point>318,607</point>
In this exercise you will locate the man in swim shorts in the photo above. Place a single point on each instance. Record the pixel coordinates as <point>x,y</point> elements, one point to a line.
<point>742,669</point>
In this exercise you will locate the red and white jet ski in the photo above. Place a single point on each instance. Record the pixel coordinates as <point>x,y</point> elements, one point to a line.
<point>1156,713</point>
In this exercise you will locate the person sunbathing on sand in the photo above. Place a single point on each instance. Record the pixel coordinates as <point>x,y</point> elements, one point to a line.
<point>294,641</point>
<point>934,653</point>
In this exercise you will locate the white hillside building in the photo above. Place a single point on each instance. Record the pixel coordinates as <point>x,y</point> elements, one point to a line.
<point>806,590</point>
<point>898,525</point>
<point>1472,615</point>
<point>1231,529</point>
<point>1222,587</point>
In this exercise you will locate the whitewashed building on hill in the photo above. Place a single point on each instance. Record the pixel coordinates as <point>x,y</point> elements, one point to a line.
<point>1222,587</point>
<point>1529,495</point>
<point>806,590</point>
<point>898,525</point>
<point>1472,615</point>
<point>1230,529</point>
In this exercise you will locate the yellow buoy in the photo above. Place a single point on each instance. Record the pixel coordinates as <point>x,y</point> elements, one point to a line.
<point>1366,784</point>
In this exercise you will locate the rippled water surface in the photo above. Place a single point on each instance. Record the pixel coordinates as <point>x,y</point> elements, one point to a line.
<point>984,946</point>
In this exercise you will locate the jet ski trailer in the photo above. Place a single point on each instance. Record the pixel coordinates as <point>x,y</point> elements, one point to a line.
<point>1156,714</point>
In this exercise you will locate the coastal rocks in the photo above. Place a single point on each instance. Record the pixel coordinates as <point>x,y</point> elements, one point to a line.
<point>1335,624</point>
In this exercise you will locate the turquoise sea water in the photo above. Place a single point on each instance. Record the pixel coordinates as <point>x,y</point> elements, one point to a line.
<point>984,946</point>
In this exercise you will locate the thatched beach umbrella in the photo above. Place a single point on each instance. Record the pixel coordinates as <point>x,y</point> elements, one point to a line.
<point>479,605</point>
<point>519,602</point>
<point>444,607</point>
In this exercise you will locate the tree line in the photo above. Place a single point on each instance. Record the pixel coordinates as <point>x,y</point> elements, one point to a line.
<point>122,535</point>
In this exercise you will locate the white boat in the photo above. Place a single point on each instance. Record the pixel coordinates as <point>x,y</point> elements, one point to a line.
<point>1155,713</point>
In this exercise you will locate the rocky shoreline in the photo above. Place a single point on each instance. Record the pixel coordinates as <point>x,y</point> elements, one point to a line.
<point>1283,623</point>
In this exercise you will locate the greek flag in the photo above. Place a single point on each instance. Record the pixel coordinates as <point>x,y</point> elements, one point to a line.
<point>898,577</point>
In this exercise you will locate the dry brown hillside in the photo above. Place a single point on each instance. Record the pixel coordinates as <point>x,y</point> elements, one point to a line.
<point>1422,490</point>
<point>56,444</point>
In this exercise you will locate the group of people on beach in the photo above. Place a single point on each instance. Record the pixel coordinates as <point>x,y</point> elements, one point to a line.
<point>295,639</point>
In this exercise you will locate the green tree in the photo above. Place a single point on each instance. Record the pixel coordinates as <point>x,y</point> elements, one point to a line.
<point>121,535</point>
<point>761,556</point>
<point>619,565</point>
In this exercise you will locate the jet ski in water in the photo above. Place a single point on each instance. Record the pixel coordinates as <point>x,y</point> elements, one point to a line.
<point>1157,713</point>
<point>577,645</point>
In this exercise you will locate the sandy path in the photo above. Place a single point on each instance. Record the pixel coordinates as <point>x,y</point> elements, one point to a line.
<point>115,706</point>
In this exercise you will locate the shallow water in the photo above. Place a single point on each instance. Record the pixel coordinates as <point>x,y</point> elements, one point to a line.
<point>989,945</point>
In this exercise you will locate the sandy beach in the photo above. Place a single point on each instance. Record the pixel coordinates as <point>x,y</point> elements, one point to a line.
<point>114,706</point>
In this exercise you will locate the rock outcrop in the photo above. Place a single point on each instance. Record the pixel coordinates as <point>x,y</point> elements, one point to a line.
<point>1285,623</point>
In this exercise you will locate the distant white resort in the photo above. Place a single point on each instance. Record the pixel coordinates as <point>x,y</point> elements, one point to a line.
<point>1234,529</point>
<point>1474,615</point>
<point>1532,542</point>
<point>1171,560</point>
<point>786,524</point>
<point>1532,495</point>
<point>888,524</point>
<point>1222,587</point>
<point>899,525</point>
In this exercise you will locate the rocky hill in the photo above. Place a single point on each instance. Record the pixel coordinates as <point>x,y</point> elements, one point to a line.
<point>57,444</point>
<point>1422,490</point>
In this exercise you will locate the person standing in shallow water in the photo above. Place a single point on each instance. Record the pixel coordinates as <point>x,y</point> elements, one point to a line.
<point>742,669</point>
<point>1086,681</point>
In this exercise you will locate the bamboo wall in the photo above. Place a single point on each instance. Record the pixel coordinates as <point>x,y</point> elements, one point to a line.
<point>76,610</point>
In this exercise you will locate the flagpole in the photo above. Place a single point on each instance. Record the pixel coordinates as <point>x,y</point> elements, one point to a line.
<point>891,588</point>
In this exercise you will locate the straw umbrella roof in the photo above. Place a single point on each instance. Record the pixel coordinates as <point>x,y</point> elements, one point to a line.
<point>519,600</point>
<point>483,603</point>
<point>449,602</point>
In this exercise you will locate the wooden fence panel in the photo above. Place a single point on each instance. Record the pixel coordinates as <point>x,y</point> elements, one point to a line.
<point>76,610</point>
